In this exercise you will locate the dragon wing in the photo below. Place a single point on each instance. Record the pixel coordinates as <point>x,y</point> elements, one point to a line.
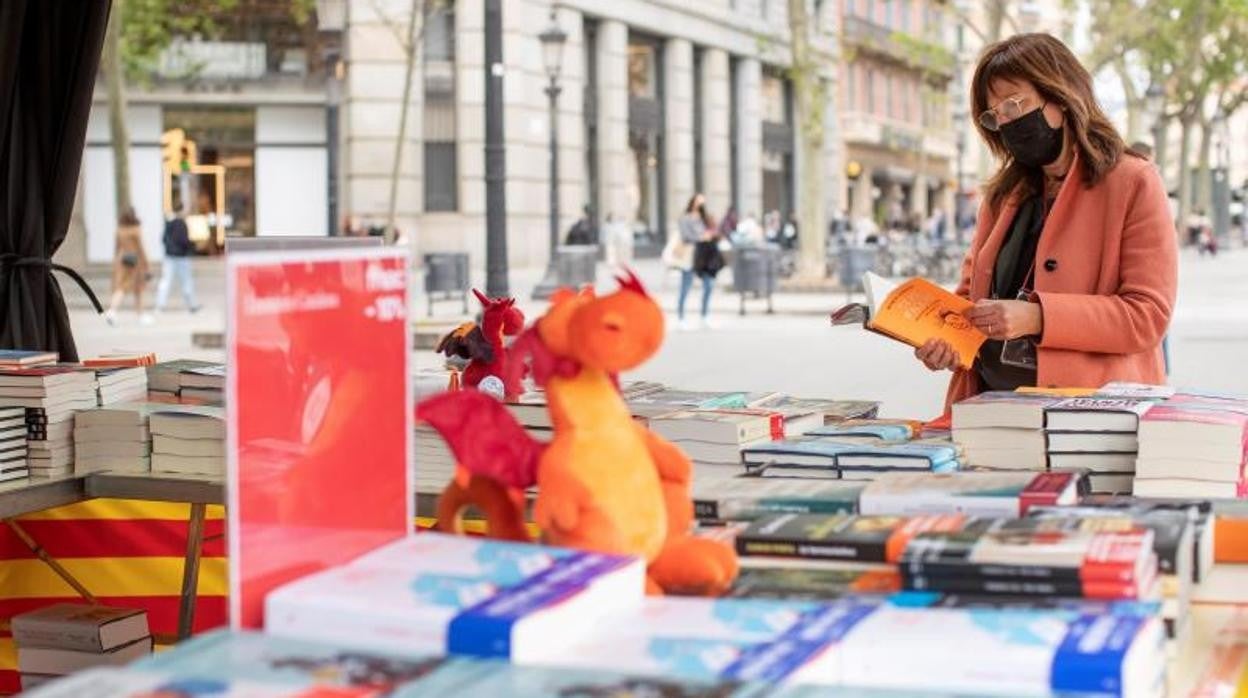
<point>484,437</point>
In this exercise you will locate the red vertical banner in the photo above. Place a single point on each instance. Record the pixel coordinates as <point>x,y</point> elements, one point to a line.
<point>319,415</point>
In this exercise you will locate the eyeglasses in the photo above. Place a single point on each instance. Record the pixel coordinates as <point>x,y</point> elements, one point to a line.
<point>1005,112</point>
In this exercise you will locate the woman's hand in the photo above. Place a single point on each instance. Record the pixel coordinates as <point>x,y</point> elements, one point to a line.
<point>938,355</point>
<point>1002,320</point>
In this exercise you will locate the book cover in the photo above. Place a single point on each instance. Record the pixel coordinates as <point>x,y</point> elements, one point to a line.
<point>890,433</point>
<point>839,537</point>
<point>441,594</point>
<point>746,499</point>
<point>58,662</point>
<point>829,451</point>
<point>318,346</point>
<point>1005,652</point>
<point>919,310</point>
<point>21,357</point>
<point>796,584</point>
<point>971,493</point>
<point>79,627</point>
<point>1109,414</point>
<point>1002,409</point>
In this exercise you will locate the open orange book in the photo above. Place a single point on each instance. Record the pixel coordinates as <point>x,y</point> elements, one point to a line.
<point>914,312</point>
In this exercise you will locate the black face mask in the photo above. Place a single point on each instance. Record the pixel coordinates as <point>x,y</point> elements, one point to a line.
<point>1030,139</point>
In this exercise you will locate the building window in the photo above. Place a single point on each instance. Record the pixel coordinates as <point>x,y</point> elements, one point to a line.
<point>869,83</point>
<point>590,111</point>
<point>441,171</point>
<point>646,141</point>
<point>851,86</point>
<point>699,122</point>
<point>777,108</point>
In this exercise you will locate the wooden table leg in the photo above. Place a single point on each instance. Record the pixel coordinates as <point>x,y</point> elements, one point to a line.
<point>190,570</point>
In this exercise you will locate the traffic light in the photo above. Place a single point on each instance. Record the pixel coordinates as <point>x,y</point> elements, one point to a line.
<point>176,150</point>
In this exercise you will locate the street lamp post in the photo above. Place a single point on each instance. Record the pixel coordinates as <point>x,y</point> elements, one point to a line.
<point>553,39</point>
<point>495,155</point>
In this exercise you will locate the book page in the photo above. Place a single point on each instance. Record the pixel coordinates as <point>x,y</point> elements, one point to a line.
<point>919,310</point>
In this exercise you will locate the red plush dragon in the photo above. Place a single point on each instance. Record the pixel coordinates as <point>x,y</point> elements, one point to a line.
<point>604,483</point>
<point>483,344</point>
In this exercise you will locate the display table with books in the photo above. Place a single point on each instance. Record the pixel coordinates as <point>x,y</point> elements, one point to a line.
<point>1009,552</point>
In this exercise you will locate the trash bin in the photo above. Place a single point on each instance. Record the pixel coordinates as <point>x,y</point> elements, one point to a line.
<point>446,273</point>
<point>856,261</point>
<point>576,265</point>
<point>754,273</point>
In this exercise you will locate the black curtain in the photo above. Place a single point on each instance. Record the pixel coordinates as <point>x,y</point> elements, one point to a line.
<point>49,55</point>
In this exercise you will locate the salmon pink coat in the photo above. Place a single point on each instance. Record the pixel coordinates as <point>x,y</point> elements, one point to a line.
<point>1106,277</point>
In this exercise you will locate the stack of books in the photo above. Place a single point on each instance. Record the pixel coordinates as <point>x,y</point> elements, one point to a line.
<point>1032,557</point>
<point>189,439</point>
<point>13,464</point>
<point>1193,446</point>
<point>438,594</point>
<point>202,386</point>
<point>1174,542</point>
<point>19,358</point>
<point>122,359</point>
<point>834,541</point>
<point>1003,430</point>
<point>973,493</point>
<point>164,379</point>
<point>66,638</point>
<point>717,437</point>
<point>113,439</point>
<point>50,395</point>
<point>121,384</point>
<point>1097,434</point>
<point>819,456</point>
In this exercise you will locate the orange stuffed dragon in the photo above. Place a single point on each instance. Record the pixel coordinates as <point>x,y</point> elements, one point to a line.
<point>605,483</point>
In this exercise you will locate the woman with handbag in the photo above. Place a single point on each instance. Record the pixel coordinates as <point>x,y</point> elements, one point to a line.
<point>130,270</point>
<point>689,252</point>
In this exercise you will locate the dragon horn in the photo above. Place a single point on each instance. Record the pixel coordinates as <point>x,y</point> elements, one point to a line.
<point>629,282</point>
<point>485,300</point>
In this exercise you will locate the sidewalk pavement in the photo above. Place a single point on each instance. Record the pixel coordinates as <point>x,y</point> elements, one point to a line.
<point>793,351</point>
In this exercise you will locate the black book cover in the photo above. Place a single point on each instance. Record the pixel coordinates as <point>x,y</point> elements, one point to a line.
<point>978,572</point>
<point>1023,587</point>
<point>1171,527</point>
<point>820,537</point>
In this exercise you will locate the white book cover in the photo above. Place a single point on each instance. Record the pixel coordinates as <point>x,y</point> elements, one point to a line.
<point>1005,652</point>
<point>442,594</point>
<point>768,642</point>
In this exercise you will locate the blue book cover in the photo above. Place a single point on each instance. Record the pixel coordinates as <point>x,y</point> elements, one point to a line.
<point>894,433</point>
<point>825,451</point>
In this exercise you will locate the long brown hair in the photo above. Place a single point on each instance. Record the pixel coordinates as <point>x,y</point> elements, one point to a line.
<point>1060,79</point>
<point>128,217</point>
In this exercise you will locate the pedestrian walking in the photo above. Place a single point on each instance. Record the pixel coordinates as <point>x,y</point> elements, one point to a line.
<point>178,255</point>
<point>690,254</point>
<point>1052,316</point>
<point>619,240</point>
<point>130,268</point>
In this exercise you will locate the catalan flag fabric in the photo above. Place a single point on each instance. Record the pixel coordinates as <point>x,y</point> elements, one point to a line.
<point>127,553</point>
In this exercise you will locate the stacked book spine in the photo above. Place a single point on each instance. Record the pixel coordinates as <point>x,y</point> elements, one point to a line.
<point>1003,430</point>
<point>50,395</point>
<point>113,439</point>
<point>1097,434</point>
<point>13,432</point>
<point>1193,446</point>
<point>189,440</point>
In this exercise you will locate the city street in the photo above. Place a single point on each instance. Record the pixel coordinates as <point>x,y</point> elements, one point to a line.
<point>793,351</point>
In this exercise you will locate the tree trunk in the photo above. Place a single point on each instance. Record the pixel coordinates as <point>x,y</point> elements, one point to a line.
<point>810,91</point>
<point>1135,103</point>
<point>1161,151</point>
<point>995,11</point>
<point>1185,175</point>
<point>1204,180</point>
<point>411,46</point>
<point>114,78</point>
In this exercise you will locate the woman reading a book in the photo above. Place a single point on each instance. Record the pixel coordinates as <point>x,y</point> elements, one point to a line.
<point>1073,268</point>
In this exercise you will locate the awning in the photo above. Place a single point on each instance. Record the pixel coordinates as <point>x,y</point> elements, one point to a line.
<point>49,55</point>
